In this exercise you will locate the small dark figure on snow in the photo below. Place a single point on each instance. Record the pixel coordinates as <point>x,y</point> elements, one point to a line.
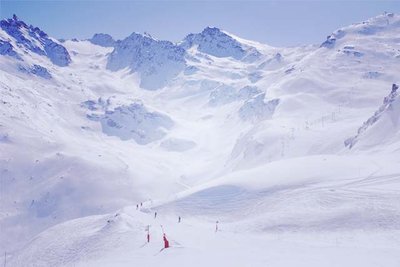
<point>148,233</point>
<point>155,214</point>
<point>394,87</point>
<point>179,219</point>
<point>137,206</point>
<point>141,204</point>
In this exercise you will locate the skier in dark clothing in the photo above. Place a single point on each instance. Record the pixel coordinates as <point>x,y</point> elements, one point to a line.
<point>179,219</point>
<point>155,214</point>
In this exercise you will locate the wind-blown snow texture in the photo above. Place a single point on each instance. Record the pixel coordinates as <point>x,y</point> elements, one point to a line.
<point>213,128</point>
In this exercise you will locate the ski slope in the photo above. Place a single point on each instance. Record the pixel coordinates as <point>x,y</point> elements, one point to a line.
<point>214,128</point>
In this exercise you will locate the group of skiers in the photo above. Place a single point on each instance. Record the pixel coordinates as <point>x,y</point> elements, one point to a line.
<point>155,213</point>
<point>165,240</point>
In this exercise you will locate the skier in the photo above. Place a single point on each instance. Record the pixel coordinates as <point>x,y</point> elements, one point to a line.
<point>137,206</point>
<point>148,233</point>
<point>216,226</point>
<point>166,243</point>
<point>179,219</point>
<point>141,204</point>
<point>155,214</point>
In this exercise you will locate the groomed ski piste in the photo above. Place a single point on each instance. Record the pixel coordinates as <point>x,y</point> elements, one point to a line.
<point>293,151</point>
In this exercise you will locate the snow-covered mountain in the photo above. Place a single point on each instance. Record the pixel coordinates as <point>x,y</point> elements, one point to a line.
<point>156,61</point>
<point>31,39</point>
<point>218,43</point>
<point>213,128</point>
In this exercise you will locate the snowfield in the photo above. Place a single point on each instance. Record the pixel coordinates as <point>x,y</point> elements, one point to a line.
<point>271,156</point>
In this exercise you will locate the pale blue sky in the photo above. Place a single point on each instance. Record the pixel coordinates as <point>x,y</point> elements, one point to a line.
<point>279,23</point>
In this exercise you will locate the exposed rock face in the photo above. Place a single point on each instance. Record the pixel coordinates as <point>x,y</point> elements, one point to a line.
<point>130,122</point>
<point>390,108</point>
<point>257,109</point>
<point>7,49</point>
<point>156,61</point>
<point>102,39</point>
<point>32,39</point>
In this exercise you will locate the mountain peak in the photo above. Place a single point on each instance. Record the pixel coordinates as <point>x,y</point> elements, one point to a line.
<point>212,31</point>
<point>216,42</point>
<point>148,35</point>
<point>388,23</point>
<point>102,39</point>
<point>157,61</point>
<point>14,24</point>
<point>35,40</point>
<point>145,37</point>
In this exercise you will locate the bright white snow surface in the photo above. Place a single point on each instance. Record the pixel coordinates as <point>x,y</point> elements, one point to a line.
<point>237,132</point>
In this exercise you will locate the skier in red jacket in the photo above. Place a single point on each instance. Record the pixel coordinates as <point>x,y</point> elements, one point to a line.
<point>166,243</point>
